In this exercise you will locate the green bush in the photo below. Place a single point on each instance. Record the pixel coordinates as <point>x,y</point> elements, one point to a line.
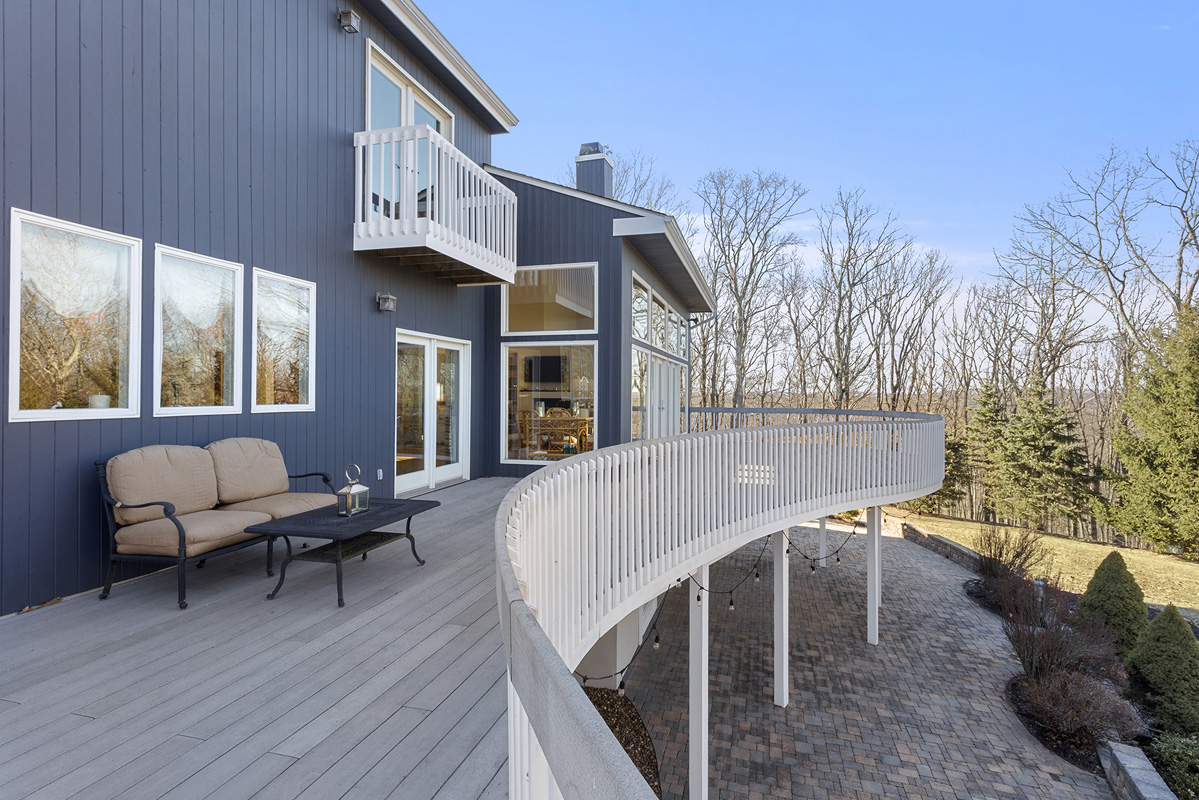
<point>1114,599</point>
<point>1178,760</point>
<point>1165,663</point>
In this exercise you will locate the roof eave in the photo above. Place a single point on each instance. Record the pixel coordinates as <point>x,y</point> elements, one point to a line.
<point>426,33</point>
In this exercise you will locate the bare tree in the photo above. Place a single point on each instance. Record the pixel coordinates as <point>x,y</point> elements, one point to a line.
<point>855,244</point>
<point>1133,227</point>
<point>1058,318</point>
<point>747,246</point>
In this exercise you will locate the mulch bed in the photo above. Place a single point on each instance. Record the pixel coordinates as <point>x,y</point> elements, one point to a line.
<point>1078,750</point>
<point>622,717</point>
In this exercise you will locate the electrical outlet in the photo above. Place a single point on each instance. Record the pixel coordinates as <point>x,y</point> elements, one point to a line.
<point>379,475</point>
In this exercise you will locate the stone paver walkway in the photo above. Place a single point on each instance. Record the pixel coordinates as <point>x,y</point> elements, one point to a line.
<point>921,715</point>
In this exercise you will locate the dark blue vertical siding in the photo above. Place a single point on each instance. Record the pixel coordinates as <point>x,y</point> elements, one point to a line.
<point>222,127</point>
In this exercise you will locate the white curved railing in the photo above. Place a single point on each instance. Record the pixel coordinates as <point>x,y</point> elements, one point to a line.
<point>413,188</point>
<point>582,544</point>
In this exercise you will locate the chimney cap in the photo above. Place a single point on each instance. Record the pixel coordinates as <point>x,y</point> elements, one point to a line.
<point>591,149</point>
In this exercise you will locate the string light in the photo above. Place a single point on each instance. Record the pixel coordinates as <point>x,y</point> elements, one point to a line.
<point>730,601</point>
<point>757,577</point>
<point>620,688</point>
<point>657,641</point>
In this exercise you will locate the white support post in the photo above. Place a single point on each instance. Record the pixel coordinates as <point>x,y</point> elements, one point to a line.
<point>874,572</point>
<point>697,725</point>
<point>782,627</point>
<point>822,543</point>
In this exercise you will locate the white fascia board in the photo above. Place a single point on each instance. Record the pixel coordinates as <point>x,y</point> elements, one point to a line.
<point>569,192</point>
<point>415,20</point>
<point>668,227</point>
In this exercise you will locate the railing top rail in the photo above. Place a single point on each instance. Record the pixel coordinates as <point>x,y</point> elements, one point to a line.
<point>425,131</point>
<point>830,412</point>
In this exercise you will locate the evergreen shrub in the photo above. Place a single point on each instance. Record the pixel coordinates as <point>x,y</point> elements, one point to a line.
<point>1165,664</point>
<point>1114,599</point>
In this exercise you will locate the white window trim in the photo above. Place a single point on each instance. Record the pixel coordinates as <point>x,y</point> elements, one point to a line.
<point>238,270</point>
<point>15,413</point>
<point>410,88</point>
<point>649,299</point>
<point>648,344</point>
<point>595,395</point>
<point>592,331</point>
<point>649,354</point>
<point>255,408</point>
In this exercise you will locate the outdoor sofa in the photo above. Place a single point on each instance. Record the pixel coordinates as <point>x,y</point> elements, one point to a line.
<point>178,504</point>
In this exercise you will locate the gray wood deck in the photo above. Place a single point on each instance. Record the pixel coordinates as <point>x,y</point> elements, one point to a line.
<point>401,693</point>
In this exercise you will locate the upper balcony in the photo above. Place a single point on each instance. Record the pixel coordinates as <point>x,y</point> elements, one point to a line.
<point>420,200</point>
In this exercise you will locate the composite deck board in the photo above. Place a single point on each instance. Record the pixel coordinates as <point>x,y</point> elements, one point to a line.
<point>401,692</point>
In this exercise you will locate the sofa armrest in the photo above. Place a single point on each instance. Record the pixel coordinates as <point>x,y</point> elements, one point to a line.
<point>324,476</point>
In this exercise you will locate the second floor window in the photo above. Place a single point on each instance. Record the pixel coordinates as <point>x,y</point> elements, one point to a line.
<point>395,99</point>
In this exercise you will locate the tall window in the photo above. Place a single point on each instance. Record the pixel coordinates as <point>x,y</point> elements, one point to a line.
<point>640,312</point>
<point>74,321</point>
<point>558,299</point>
<point>550,402</point>
<point>284,343</point>
<point>640,395</point>
<point>197,334</point>
<point>658,321</point>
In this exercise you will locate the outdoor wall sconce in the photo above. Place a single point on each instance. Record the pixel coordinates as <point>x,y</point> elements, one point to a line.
<point>349,21</point>
<point>386,301</point>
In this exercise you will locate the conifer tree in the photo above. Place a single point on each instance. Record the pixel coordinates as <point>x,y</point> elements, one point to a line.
<point>1044,471</point>
<point>1159,442</point>
<point>953,488</point>
<point>1166,663</point>
<point>984,436</point>
<point>1114,598</point>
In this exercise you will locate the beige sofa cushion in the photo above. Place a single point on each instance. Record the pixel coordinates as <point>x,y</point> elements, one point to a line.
<point>174,473</point>
<point>247,469</point>
<point>205,531</point>
<point>284,505</point>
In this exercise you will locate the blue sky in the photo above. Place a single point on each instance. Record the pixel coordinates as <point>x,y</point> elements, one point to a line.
<point>953,115</point>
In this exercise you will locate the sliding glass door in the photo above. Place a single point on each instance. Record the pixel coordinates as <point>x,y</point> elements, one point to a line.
<point>432,417</point>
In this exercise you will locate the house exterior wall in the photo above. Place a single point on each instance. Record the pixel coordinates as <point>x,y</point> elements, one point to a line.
<point>222,127</point>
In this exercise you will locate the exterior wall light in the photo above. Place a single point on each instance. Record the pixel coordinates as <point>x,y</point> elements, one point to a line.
<point>386,301</point>
<point>349,21</point>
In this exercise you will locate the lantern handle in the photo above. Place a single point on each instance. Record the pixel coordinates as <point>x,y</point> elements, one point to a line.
<point>358,474</point>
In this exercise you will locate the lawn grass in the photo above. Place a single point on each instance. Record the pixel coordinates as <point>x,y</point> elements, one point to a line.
<point>1163,578</point>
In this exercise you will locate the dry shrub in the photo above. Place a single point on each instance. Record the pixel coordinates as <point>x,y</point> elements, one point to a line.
<point>1047,638</point>
<point>1003,552</point>
<point>1081,707</point>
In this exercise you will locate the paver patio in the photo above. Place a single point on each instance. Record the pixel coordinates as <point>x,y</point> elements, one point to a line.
<point>921,715</point>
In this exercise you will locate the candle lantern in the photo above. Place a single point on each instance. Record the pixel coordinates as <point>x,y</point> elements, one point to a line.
<point>353,498</point>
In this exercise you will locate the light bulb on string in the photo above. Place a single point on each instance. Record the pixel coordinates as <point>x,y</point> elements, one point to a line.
<point>657,642</point>
<point>620,689</point>
<point>699,599</point>
<point>730,601</point>
<point>757,577</point>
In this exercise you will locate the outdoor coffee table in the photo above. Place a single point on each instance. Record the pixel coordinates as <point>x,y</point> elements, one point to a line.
<point>348,536</point>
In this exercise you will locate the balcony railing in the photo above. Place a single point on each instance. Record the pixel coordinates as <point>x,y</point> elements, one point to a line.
<point>582,544</point>
<point>420,199</point>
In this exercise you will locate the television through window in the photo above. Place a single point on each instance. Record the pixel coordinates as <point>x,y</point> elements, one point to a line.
<point>543,369</point>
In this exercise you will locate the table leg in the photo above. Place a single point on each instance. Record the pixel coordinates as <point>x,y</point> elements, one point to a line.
<point>270,556</point>
<point>340,600</point>
<point>412,542</point>
<point>282,569</point>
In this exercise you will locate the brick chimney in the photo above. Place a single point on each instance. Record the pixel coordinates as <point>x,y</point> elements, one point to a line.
<point>593,170</point>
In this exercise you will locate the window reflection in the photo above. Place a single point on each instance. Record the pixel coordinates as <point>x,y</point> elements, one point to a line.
<point>283,326</point>
<point>559,299</point>
<point>74,320</point>
<point>199,321</point>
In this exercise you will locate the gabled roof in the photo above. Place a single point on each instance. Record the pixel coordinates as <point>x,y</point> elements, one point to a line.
<point>656,236</point>
<point>414,30</point>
